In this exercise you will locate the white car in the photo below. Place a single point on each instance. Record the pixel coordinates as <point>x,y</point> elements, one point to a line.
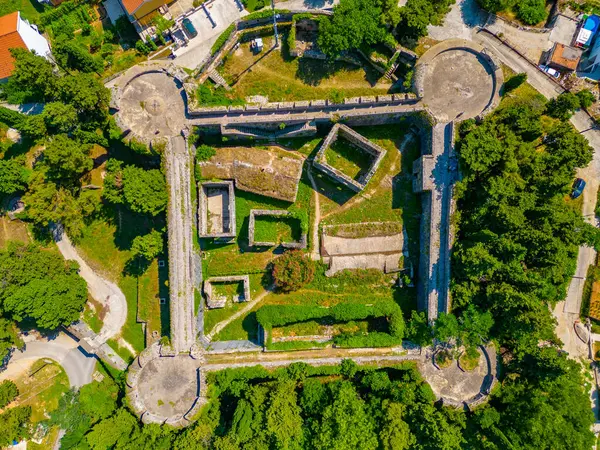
<point>550,71</point>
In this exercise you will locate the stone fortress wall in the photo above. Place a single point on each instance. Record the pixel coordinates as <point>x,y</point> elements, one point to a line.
<point>227,215</point>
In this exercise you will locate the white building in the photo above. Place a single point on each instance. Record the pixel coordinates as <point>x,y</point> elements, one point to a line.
<point>16,32</point>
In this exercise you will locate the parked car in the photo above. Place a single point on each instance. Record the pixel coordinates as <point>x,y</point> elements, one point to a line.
<point>550,71</point>
<point>189,27</point>
<point>578,187</point>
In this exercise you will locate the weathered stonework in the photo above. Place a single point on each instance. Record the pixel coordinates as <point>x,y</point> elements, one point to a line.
<point>220,215</point>
<point>215,301</point>
<point>361,143</point>
<point>301,244</point>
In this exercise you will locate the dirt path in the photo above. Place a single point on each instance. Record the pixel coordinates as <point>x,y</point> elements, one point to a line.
<point>315,254</point>
<point>103,291</point>
<point>247,308</point>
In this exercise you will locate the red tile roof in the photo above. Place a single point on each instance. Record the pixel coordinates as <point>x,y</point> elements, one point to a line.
<point>9,38</point>
<point>132,5</point>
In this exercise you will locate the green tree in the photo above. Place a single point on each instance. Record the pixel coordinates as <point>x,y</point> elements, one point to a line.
<point>563,106</point>
<point>284,421</point>
<point>418,329</point>
<point>32,79</point>
<point>98,400</point>
<point>8,392</point>
<point>144,191</point>
<point>586,98</point>
<point>70,54</point>
<point>532,12</point>
<point>41,286</point>
<point>87,95</point>
<point>33,127</point>
<point>345,424</point>
<point>292,270</point>
<point>112,431</point>
<point>13,176</point>
<point>66,159</point>
<point>148,246</point>
<point>395,433</point>
<point>205,152</point>
<point>60,117</point>
<point>13,425</point>
<point>446,328</point>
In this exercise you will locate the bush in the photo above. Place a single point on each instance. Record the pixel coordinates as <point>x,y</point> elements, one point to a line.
<point>8,392</point>
<point>253,5</point>
<point>291,38</point>
<point>532,12</point>
<point>563,106</point>
<point>141,47</point>
<point>586,98</point>
<point>205,152</point>
<point>220,42</point>
<point>292,270</point>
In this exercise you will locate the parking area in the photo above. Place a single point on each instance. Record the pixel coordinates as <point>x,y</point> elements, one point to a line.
<point>223,13</point>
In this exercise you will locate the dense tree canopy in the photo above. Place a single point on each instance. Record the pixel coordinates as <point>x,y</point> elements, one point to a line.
<point>66,159</point>
<point>40,285</point>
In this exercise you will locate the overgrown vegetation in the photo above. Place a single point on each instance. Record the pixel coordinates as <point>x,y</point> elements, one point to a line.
<point>292,270</point>
<point>530,12</point>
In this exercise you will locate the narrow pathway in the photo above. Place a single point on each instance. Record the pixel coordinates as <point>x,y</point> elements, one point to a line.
<point>247,308</point>
<point>315,254</point>
<point>105,292</point>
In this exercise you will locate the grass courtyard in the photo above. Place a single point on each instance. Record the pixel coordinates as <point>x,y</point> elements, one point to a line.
<point>348,159</point>
<point>277,229</point>
<point>273,74</point>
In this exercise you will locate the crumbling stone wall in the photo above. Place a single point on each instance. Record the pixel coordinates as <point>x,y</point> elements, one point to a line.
<point>203,209</point>
<point>301,244</point>
<point>361,143</point>
<point>213,302</point>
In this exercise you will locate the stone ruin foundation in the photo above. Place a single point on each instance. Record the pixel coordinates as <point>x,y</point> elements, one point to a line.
<point>362,144</point>
<point>213,300</point>
<point>216,210</point>
<point>301,244</point>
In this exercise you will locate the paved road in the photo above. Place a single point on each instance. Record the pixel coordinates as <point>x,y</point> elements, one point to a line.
<point>64,350</point>
<point>181,264</point>
<point>105,292</point>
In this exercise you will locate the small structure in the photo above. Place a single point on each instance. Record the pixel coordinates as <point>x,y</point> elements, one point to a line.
<point>587,31</point>
<point>301,244</point>
<point>16,32</point>
<point>142,12</point>
<point>362,144</point>
<point>257,45</point>
<point>564,58</point>
<point>217,300</point>
<point>216,210</point>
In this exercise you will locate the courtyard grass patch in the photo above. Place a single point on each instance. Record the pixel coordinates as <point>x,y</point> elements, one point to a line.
<point>348,159</point>
<point>273,74</point>
<point>12,230</point>
<point>277,229</point>
<point>29,9</point>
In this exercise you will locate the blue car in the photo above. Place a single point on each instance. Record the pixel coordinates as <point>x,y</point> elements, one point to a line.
<point>189,27</point>
<point>578,188</point>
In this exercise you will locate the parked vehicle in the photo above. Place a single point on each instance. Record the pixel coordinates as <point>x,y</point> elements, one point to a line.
<point>189,27</point>
<point>550,71</point>
<point>578,187</point>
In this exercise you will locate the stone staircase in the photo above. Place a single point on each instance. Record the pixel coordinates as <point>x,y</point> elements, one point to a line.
<point>246,131</point>
<point>218,79</point>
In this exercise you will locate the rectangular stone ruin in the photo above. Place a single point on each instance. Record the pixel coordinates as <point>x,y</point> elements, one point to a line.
<point>215,300</point>
<point>368,245</point>
<point>362,144</point>
<point>216,210</point>
<point>301,244</point>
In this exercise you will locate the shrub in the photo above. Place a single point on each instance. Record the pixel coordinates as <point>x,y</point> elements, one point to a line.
<point>586,98</point>
<point>8,392</point>
<point>292,270</point>
<point>563,106</point>
<point>142,48</point>
<point>253,5</point>
<point>205,152</point>
<point>291,38</point>
<point>532,12</point>
<point>220,42</point>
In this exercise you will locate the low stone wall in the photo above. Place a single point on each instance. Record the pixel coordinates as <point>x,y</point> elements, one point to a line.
<point>298,106</point>
<point>320,162</point>
<point>203,211</point>
<point>301,244</point>
<point>213,302</point>
<point>267,131</point>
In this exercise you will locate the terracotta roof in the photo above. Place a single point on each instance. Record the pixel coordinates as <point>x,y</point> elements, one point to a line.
<point>565,57</point>
<point>9,38</point>
<point>132,5</point>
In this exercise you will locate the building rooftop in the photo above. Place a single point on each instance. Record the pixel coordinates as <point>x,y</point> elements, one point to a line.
<point>132,5</point>
<point>565,57</point>
<point>9,38</point>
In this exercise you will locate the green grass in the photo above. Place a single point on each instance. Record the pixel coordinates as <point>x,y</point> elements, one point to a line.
<point>280,78</point>
<point>348,159</point>
<point>297,345</point>
<point>41,388</point>
<point>30,9</point>
<point>245,327</point>
<point>277,229</point>
<point>121,351</point>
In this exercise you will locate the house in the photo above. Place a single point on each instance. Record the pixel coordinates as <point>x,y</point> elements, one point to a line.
<point>587,31</point>
<point>564,58</point>
<point>141,12</point>
<point>16,32</point>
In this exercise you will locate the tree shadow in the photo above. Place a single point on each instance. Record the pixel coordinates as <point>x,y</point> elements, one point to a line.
<point>163,292</point>
<point>312,72</point>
